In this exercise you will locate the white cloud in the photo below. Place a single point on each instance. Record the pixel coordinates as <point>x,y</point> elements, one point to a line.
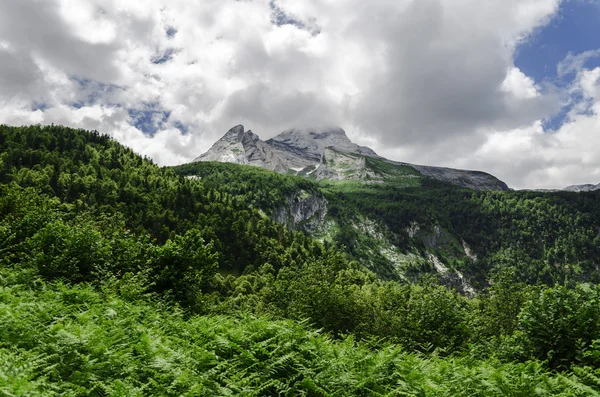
<point>427,81</point>
<point>589,82</point>
<point>574,63</point>
<point>541,159</point>
<point>519,85</point>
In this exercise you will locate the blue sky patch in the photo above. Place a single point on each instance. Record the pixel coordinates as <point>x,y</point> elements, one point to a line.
<point>38,106</point>
<point>164,57</point>
<point>280,18</point>
<point>170,31</point>
<point>574,30</point>
<point>148,119</point>
<point>181,127</point>
<point>95,91</point>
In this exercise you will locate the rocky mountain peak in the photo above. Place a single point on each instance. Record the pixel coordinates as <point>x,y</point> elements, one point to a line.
<point>317,134</point>
<point>234,134</point>
<point>239,134</point>
<point>324,153</point>
<point>312,142</point>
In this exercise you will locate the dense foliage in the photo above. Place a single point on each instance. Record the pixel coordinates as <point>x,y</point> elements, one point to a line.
<point>543,237</point>
<point>257,188</point>
<point>118,277</point>
<point>548,238</point>
<point>97,175</point>
<point>61,340</point>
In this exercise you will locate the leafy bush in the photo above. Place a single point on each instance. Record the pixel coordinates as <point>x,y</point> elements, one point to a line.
<point>561,326</point>
<point>76,341</point>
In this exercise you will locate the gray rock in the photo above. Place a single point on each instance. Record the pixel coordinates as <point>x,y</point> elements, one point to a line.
<point>326,154</point>
<point>245,147</point>
<point>311,144</point>
<point>303,210</point>
<point>582,188</point>
<point>573,188</point>
<point>477,180</point>
<point>339,166</point>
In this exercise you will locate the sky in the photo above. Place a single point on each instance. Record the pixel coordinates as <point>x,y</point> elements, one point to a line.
<point>510,87</point>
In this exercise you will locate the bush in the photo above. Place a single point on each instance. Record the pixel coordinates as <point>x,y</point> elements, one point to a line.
<point>74,253</point>
<point>184,266</point>
<point>561,326</point>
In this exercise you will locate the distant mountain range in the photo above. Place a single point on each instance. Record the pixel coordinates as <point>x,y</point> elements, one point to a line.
<point>329,154</point>
<point>582,188</point>
<point>588,187</point>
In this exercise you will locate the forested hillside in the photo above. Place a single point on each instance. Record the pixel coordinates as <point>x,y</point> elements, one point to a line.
<point>118,277</point>
<point>535,237</point>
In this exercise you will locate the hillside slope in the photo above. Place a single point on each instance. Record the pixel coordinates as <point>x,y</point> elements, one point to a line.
<point>582,188</point>
<point>60,340</point>
<point>118,277</point>
<point>404,225</point>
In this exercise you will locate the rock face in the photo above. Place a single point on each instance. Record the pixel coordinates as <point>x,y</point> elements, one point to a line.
<point>311,145</point>
<point>303,210</point>
<point>339,166</point>
<point>245,147</point>
<point>328,154</point>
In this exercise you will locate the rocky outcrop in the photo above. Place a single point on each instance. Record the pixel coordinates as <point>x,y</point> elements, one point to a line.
<point>588,187</point>
<point>339,166</point>
<point>311,145</point>
<point>244,147</point>
<point>453,279</point>
<point>327,154</point>
<point>302,210</point>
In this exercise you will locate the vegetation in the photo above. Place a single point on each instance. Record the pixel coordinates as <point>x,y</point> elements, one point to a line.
<point>544,238</point>
<point>118,277</point>
<point>108,339</point>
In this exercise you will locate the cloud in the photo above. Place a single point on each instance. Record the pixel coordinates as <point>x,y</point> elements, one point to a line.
<point>38,29</point>
<point>444,76</point>
<point>519,85</point>
<point>426,81</point>
<point>19,75</point>
<point>549,159</point>
<point>574,63</point>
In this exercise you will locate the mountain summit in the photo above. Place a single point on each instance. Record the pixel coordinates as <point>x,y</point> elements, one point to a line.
<point>311,144</point>
<point>293,150</point>
<point>329,154</point>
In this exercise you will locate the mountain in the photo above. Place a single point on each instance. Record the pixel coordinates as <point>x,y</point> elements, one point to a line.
<point>120,277</point>
<point>588,187</point>
<point>329,154</point>
<point>582,188</point>
<point>408,227</point>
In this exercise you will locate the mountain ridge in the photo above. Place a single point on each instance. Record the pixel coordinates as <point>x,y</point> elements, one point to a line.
<point>588,187</point>
<point>305,152</point>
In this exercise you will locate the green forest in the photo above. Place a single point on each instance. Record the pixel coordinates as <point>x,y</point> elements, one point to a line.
<point>122,278</point>
<point>538,238</point>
